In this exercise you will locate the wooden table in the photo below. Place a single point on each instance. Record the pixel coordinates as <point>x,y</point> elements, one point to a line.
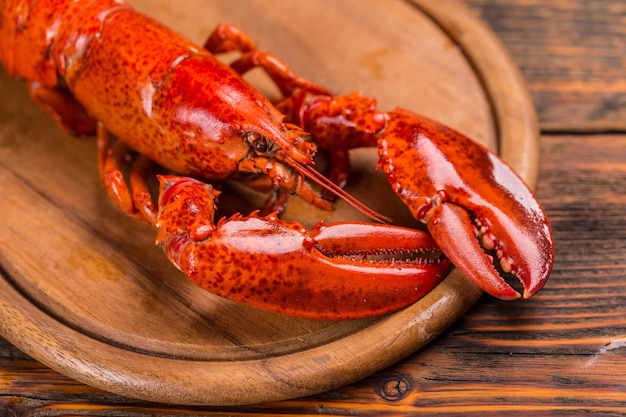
<point>561,352</point>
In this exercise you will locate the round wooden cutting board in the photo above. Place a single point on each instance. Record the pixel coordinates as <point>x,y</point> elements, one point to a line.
<point>84,290</point>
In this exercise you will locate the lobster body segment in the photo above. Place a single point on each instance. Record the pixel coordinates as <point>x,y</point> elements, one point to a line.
<point>97,66</point>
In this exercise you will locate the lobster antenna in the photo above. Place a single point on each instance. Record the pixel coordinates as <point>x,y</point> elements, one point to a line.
<point>318,178</point>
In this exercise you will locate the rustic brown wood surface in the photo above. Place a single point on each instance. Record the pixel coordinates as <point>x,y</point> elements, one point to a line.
<point>558,353</point>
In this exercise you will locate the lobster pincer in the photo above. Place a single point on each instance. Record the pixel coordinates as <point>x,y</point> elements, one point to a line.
<point>474,205</point>
<point>334,271</point>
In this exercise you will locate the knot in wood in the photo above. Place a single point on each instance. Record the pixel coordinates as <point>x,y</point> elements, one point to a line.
<point>394,387</point>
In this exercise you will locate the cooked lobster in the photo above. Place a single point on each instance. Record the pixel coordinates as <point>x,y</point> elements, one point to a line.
<point>173,103</point>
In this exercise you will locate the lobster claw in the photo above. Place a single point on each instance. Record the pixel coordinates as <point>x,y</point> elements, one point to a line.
<point>473,203</point>
<point>452,228</point>
<point>334,271</point>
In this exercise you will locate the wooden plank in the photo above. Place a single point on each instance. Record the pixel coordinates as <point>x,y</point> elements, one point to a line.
<point>573,56</point>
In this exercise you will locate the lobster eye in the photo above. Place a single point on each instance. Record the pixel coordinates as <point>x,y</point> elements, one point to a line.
<point>259,143</point>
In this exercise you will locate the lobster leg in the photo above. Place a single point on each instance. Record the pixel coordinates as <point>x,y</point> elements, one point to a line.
<point>59,103</point>
<point>331,272</point>
<point>142,198</point>
<point>136,203</point>
<point>228,38</point>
